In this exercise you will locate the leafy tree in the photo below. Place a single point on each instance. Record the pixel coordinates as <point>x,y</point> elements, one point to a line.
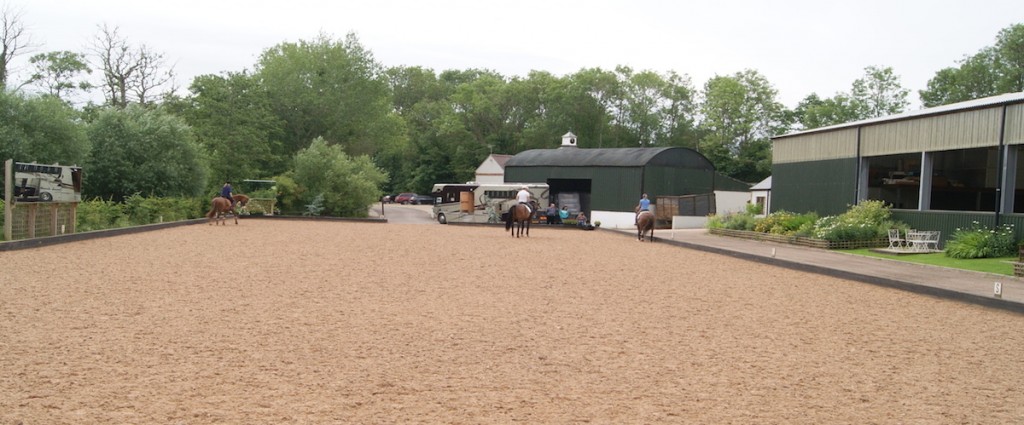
<point>740,116</point>
<point>348,185</point>
<point>992,70</point>
<point>595,94</point>
<point>879,93</point>
<point>41,129</point>
<point>814,112</point>
<point>146,151</point>
<point>330,89</point>
<point>1010,51</point>
<point>639,114</point>
<point>56,72</point>
<point>234,123</point>
<point>678,112</point>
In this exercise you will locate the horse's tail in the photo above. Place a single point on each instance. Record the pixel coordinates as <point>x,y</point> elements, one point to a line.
<point>212,212</point>
<point>508,219</point>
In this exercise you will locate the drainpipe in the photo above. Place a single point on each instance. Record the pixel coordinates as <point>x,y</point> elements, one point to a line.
<point>999,169</point>
<point>857,177</point>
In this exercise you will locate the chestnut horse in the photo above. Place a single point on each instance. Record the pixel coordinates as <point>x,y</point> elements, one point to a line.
<point>644,223</point>
<point>220,207</point>
<point>521,215</point>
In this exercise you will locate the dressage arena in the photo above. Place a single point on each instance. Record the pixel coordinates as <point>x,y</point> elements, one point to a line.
<point>276,321</point>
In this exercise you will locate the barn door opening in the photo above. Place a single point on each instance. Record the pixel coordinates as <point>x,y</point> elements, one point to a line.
<point>572,193</point>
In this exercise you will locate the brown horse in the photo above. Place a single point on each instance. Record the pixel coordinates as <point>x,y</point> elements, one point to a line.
<point>644,223</point>
<point>521,215</point>
<point>220,207</point>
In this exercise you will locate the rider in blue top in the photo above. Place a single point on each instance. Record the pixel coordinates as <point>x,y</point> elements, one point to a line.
<point>225,192</point>
<point>644,205</point>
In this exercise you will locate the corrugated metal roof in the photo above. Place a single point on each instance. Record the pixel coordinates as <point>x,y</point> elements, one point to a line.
<point>985,102</point>
<point>610,157</point>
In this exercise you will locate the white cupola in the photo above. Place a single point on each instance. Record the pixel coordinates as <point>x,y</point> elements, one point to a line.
<point>568,140</point>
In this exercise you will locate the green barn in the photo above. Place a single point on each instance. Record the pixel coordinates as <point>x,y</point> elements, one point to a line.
<point>940,168</point>
<point>607,183</point>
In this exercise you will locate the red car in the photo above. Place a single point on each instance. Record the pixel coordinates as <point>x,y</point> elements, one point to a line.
<point>405,198</point>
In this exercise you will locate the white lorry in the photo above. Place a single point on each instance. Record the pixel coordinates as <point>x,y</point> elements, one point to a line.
<point>480,202</point>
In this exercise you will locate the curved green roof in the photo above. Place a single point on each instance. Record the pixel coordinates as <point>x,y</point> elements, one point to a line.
<point>611,157</point>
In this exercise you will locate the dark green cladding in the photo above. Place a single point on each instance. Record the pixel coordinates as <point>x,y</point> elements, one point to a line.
<point>826,187</point>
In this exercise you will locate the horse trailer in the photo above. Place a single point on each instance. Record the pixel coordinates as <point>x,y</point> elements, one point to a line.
<point>480,202</point>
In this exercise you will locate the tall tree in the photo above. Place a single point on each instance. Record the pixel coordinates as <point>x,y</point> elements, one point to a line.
<point>40,129</point>
<point>741,114</point>
<point>56,73</point>
<point>140,150</point>
<point>1010,52</point>
<point>13,39</point>
<point>678,113</point>
<point>330,89</point>
<point>640,112</point>
<point>131,74</point>
<point>879,93</point>
<point>233,121</point>
<point>595,111</point>
<point>992,70</point>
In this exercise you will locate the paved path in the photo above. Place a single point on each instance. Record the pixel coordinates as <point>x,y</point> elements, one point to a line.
<point>967,286</point>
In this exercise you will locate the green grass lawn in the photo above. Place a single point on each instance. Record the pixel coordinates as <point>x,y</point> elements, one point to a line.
<point>1000,265</point>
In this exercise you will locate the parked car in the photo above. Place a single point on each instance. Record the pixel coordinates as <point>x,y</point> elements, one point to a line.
<point>405,198</point>
<point>423,200</point>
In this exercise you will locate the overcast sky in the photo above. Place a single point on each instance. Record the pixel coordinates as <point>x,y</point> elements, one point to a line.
<point>801,47</point>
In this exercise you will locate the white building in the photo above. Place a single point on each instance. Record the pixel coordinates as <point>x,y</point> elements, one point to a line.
<point>761,193</point>
<point>492,170</point>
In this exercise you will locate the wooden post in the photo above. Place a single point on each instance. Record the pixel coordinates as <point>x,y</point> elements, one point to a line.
<point>54,210</point>
<point>72,217</point>
<point>31,230</point>
<point>8,196</point>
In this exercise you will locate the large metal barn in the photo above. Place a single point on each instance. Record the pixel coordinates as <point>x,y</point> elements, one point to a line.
<point>607,183</point>
<point>940,168</point>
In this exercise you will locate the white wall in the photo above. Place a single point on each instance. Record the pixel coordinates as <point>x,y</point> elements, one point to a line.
<point>615,219</point>
<point>731,202</point>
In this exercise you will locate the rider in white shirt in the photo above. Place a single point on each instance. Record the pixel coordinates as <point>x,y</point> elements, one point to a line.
<point>523,196</point>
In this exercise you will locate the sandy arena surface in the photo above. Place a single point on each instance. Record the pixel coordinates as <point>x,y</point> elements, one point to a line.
<point>341,322</point>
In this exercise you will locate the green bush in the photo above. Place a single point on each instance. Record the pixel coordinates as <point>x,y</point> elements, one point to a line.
<point>142,210</point>
<point>862,222</point>
<point>784,222</point>
<point>734,221</point>
<point>868,220</point>
<point>136,210</point>
<point>978,241</point>
<point>100,214</point>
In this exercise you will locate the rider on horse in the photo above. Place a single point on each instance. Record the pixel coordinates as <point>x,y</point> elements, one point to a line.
<point>523,196</point>
<point>225,192</point>
<point>644,205</point>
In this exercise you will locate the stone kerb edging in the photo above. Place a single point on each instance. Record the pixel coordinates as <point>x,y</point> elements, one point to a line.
<point>73,237</point>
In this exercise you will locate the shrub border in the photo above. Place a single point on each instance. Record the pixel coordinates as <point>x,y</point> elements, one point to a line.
<point>800,240</point>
